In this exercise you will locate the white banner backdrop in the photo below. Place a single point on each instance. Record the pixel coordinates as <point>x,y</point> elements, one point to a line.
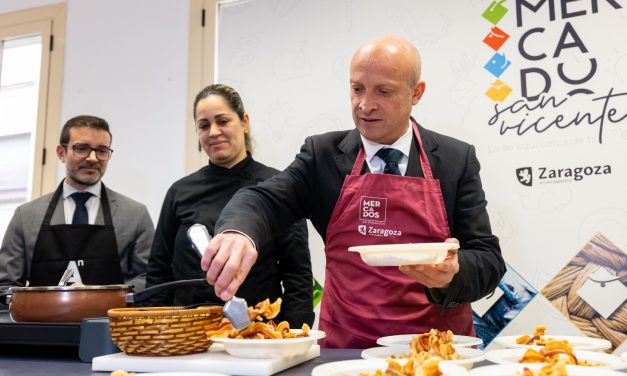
<point>539,87</point>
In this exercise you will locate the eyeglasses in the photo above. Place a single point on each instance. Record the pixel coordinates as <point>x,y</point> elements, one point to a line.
<point>103,153</point>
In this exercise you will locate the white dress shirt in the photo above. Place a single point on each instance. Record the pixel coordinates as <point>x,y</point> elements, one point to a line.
<point>403,144</point>
<point>92,205</point>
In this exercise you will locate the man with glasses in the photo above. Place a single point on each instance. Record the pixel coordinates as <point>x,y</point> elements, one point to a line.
<point>102,236</point>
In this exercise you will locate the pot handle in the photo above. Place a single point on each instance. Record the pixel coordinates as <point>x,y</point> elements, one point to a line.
<point>151,291</point>
<point>5,297</point>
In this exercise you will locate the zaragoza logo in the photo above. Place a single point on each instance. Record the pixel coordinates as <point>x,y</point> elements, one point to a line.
<point>551,175</point>
<point>524,176</point>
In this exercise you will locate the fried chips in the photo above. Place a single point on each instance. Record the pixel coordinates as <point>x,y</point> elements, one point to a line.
<point>259,329</point>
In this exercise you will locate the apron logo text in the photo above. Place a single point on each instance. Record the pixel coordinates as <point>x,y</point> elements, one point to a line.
<point>372,208</point>
<point>369,230</point>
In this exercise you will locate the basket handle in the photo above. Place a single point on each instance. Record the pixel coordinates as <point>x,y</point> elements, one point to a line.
<point>151,291</point>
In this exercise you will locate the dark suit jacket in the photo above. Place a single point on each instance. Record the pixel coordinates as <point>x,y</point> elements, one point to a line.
<point>311,185</point>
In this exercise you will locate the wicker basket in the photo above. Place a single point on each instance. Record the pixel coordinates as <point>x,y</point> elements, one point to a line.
<point>162,331</point>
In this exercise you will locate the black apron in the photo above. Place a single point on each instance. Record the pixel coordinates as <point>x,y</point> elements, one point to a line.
<point>92,247</point>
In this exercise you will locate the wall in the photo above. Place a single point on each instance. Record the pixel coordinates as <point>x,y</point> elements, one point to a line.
<point>126,61</point>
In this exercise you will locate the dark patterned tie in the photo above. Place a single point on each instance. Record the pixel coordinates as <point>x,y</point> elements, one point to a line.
<point>80,212</point>
<point>391,157</point>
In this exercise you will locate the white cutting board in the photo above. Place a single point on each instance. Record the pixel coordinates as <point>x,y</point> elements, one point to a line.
<point>214,360</point>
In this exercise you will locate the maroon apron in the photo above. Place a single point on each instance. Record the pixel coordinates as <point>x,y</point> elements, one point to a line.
<point>361,303</point>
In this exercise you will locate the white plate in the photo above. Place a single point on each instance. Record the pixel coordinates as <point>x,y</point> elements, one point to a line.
<point>513,355</point>
<point>181,374</point>
<point>468,356</point>
<point>577,342</point>
<point>405,339</point>
<point>269,348</point>
<point>511,369</point>
<point>354,367</point>
<point>404,254</point>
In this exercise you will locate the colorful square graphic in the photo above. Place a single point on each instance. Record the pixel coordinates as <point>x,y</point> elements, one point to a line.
<point>590,290</point>
<point>495,12</point>
<point>498,91</point>
<point>497,64</point>
<point>496,38</point>
<point>515,294</point>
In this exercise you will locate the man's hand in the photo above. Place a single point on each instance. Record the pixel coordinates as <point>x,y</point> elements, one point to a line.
<point>435,275</point>
<point>227,261</point>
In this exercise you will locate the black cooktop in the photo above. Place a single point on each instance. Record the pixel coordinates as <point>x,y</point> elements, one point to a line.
<point>91,337</point>
<point>38,333</point>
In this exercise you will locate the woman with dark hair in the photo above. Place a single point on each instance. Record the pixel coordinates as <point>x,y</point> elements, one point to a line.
<point>283,266</point>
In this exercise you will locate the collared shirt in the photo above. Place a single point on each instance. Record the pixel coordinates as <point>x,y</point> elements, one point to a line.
<point>92,205</point>
<point>376,164</point>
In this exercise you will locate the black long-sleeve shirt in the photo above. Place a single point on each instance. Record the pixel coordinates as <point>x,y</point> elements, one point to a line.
<point>283,268</point>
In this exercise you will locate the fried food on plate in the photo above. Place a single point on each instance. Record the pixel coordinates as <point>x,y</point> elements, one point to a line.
<point>425,365</point>
<point>554,351</point>
<point>259,329</point>
<point>536,339</point>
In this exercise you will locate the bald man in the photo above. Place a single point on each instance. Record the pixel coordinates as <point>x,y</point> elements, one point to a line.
<point>388,181</point>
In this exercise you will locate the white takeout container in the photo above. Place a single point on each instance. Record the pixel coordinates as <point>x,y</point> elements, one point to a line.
<point>269,348</point>
<point>404,254</point>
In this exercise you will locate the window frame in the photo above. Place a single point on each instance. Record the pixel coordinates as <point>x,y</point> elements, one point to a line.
<point>50,22</point>
<point>201,72</point>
